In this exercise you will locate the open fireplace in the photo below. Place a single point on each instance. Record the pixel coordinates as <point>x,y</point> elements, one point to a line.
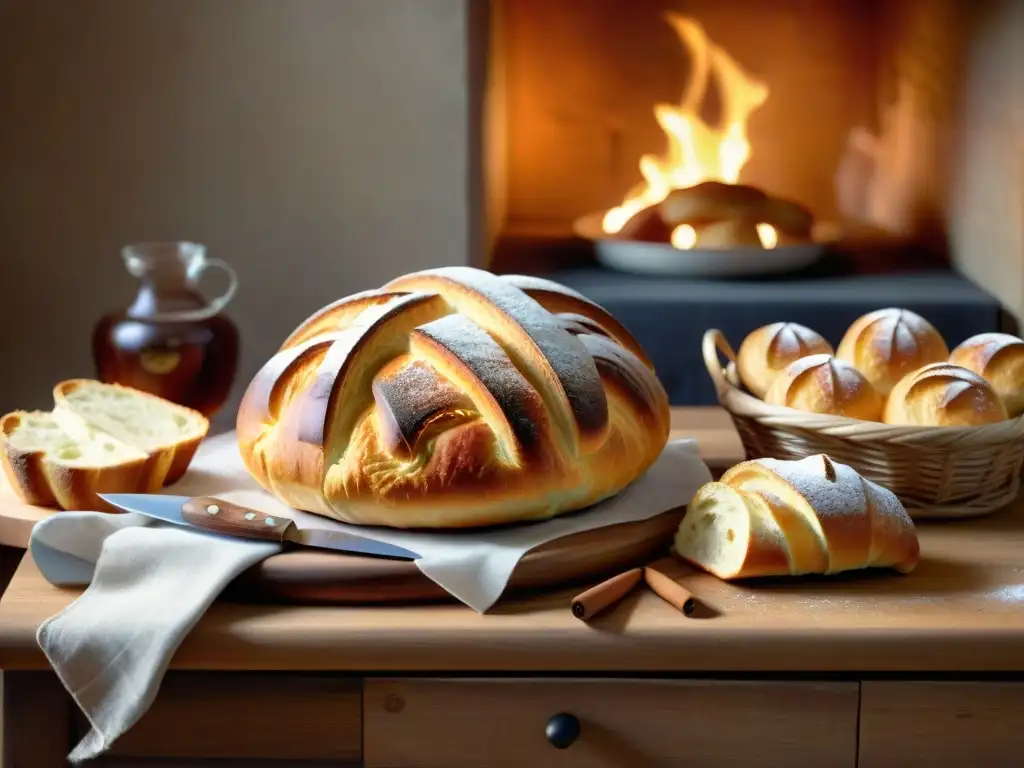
<point>890,128</point>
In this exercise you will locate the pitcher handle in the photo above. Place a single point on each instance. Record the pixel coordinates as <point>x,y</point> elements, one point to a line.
<point>195,273</point>
<point>217,304</point>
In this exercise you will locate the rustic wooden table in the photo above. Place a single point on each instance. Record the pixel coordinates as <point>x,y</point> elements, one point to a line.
<point>865,669</point>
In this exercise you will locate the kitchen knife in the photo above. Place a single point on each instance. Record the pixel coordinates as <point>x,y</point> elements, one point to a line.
<point>214,515</point>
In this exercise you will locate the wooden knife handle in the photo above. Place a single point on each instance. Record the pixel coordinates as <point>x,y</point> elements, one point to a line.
<point>219,516</point>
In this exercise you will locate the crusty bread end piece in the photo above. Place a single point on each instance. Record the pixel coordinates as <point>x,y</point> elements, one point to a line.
<point>48,466</point>
<point>99,438</point>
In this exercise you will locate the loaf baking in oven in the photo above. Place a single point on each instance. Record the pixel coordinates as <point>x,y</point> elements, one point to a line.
<point>769,517</point>
<point>999,359</point>
<point>453,397</point>
<point>943,395</point>
<point>823,384</point>
<point>766,352</point>
<point>887,344</point>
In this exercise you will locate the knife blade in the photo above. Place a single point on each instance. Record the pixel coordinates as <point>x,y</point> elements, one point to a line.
<point>214,515</point>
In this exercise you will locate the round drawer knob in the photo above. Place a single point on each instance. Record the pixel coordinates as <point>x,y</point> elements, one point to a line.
<point>562,730</point>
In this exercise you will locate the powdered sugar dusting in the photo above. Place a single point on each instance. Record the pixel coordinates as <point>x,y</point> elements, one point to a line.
<point>790,341</point>
<point>898,333</point>
<point>843,497</point>
<point>336,315</point>
<point>804,363</point>
<point>959,382</point>
<point>839,381</point>
<point>981,348</point>
<point>531,283</point>
<point>564,356</point>
<point>491,366</point>
<point>886,502</point>
<point>953,390</point>
<point>625,367</point>
<point>841,506</point>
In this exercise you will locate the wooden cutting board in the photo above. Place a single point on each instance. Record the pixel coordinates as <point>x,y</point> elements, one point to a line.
<point>320,576</point>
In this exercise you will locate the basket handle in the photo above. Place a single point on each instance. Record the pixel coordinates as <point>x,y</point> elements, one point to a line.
<point>714,342</point>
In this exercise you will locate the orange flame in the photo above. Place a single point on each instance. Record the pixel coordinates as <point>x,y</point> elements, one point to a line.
<point>697,151</point>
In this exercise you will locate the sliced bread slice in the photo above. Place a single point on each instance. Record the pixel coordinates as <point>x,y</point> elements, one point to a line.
<point>167,432</point>
<point>49,466</point>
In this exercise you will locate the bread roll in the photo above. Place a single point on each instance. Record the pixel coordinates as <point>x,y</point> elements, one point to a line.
<point>887,344</point>
<point>790,218</point>
<point>999,359</point>
<point>450,398</point>
<point>728,233</point>
<point>766,352</point>
<point>768,517</point>
<point>646,226</point>
<point>823,384</point>
<point>713,201</point>
<point>944,395</point>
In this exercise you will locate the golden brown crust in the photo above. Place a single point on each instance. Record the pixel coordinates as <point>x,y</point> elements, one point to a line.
<point>184,452</point>
<point>766,352</point>
<point>766,555</point>
<point>167,463</point>
<point>823,384</point>
<point>857,523</point>
<point>24,469</point>
<point>807,552</point>
<point>490,409</point>
<point>410,398</point>
<point>560,300</point>
<point>887,344</point>
<point>944,395</point>
<point>751,545</point>
<point>999,359</point>
<point>37,480</point>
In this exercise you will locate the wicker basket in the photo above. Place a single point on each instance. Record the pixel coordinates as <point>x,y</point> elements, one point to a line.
<point>937,472</point>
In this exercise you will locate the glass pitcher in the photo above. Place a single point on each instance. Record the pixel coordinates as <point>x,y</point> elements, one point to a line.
<point>171,341</point>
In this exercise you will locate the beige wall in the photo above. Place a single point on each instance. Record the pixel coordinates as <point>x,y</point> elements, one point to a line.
<point>987,193</point>
<point>320,146</point>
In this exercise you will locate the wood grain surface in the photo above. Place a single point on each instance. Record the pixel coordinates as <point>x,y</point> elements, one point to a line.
<point>967,594</point>
<point>315,576</point>
<point>420,723</point>
<point>961,610</point>
<point>260,716</point>
<point>940,724</point>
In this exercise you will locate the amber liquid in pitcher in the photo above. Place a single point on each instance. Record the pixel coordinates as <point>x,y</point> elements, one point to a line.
<point>170,342</point>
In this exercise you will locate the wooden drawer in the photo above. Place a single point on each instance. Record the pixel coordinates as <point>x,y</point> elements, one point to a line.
<point>271,716</point>
<point>426,723</point>
<point>938,724</point>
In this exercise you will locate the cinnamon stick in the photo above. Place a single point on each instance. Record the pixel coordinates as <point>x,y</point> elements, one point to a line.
<point>588,604</point>
<point>670,590</point>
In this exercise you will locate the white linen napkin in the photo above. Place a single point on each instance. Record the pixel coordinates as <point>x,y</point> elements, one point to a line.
<point>149,582</point>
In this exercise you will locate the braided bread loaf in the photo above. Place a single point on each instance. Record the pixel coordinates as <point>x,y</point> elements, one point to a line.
<point>450,398</point>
